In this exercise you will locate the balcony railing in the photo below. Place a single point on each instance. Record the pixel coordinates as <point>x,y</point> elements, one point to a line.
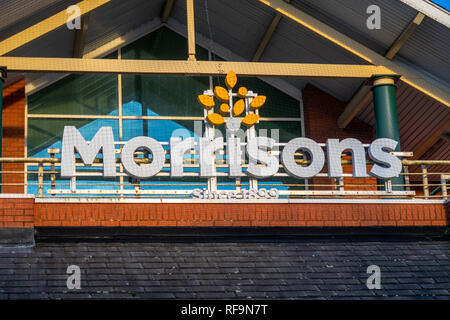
<point>41,176</point>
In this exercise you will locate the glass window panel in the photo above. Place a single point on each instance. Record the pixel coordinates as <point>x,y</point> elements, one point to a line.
<point>287,130</point>
<point>83,183</point>
<point>280,183</point>
<point>163,95</point>
<point>163,130</point>
<point>47,133</point>
<point>160,95</point>
<point>278,104</point>
<point>87,94</point>
<point>284,131</point>
<point>161,44</point>
<point>160,130</point>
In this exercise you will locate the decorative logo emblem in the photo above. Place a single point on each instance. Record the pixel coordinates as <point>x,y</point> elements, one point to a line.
<point>234,104</point>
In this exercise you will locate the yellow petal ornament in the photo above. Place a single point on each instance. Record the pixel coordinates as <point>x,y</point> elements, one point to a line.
<point>224,109</point>
<point>205,101</point>
<point>215,119</point>
<point>258,102</point>
<point>250,119</point>
<point>231,79</point>
<point>242,92</point>
<point>221,94</point>
<point>238,108</point>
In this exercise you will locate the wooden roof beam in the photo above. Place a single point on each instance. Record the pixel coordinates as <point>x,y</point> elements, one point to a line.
<point>113,66</point>
<point>267,36</point>
<point>45,26</point>
<point>362,96</point>
<point>431,139</point>
<point>166,11</point>
<point>80,37</point>
<point>404,36</point>
<point>190,29</point>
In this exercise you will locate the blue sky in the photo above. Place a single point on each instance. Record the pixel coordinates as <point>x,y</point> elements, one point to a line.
<point>443,3</point>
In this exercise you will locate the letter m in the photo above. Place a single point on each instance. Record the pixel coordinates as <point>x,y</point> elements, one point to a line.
<point>72,139</point>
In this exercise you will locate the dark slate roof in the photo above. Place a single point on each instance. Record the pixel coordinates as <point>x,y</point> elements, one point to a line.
<point>291,269</point>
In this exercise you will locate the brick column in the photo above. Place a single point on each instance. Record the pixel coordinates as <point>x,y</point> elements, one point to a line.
<point>16,208</point>
<point>321,112</point>
<point>13,134</point>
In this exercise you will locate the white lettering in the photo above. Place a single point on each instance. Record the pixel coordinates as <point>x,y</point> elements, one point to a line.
<point>72,139</point>
<point>386,165</point>
<point>257,151</point>
<point>389,166</point>
<point>334,152</point>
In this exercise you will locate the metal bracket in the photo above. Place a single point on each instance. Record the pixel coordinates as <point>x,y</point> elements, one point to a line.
<point>370,81</point>
<point>3,72</point>
<point>402,154</point>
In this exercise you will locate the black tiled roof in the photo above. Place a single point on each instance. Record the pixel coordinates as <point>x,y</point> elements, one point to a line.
<point>294,269</point>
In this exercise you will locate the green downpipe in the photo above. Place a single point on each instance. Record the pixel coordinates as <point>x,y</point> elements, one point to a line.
<point>386,118</point>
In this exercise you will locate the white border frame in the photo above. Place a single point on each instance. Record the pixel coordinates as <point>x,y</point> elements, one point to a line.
<point>260,201</point>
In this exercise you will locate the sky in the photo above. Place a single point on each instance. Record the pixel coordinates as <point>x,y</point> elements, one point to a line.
<point>443,3</point>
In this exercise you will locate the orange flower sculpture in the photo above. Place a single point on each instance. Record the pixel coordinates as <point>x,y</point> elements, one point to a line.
<point>226,98</point>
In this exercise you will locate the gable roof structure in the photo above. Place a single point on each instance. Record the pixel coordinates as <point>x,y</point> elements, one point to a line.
<point>234,30</point>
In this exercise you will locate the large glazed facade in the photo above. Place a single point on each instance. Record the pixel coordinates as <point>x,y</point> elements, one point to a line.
<point>156,106</point>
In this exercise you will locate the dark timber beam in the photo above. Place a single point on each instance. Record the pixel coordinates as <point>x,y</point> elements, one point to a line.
<point>167,10</point>
<point>362,96</point>
<point>431,139</point>
<point>401,40</point>
<point>190,29</point>
<point>45,26</point>
<point>80,37</point>
<point>268,35</point>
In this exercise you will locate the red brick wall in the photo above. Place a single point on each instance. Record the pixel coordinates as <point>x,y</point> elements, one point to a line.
<point>321,112</point>
<point>13,135</point>
<point>16,213</point>
<point>235,215</point>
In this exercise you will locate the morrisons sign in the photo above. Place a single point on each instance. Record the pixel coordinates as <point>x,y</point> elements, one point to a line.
<point>242,110</point>
<point>262,164</point>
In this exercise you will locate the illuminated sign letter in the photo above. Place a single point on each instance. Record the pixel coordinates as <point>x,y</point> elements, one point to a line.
<point>312,148</point>
<point>144,171</point>
<point>72,139</point>
<point>334,152</point>
<point>379,151</point>
<point>234,154</point>
<point>207,149</point>
<point>256,152</point>
<point>177,150</point>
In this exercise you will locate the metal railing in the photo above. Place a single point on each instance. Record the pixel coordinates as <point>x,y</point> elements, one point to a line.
<point>42,177</point>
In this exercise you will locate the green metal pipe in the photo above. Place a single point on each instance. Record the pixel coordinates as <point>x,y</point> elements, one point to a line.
<point>385,103</point>
<point>386,110</point>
